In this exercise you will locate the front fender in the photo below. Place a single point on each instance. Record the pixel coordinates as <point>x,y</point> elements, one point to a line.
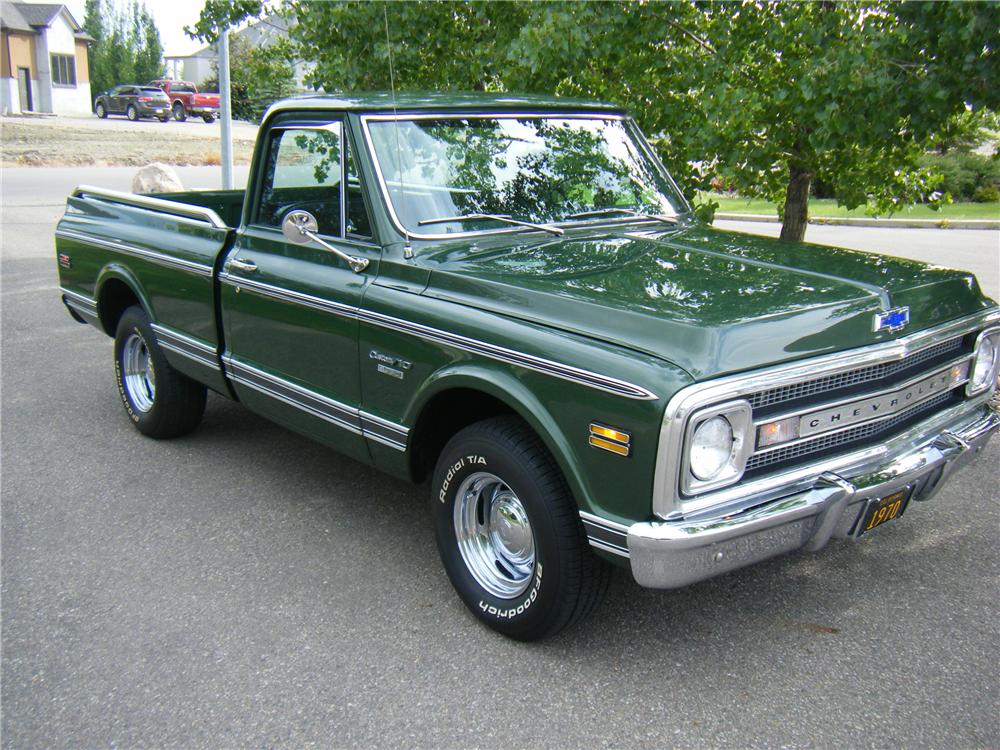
<point>506,388</point>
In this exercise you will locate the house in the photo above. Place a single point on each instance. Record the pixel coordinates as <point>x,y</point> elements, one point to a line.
<point>202,65</point>
<point>43,60</point>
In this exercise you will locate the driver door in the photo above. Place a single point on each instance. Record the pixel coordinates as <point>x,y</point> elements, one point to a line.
<point>289,310</point>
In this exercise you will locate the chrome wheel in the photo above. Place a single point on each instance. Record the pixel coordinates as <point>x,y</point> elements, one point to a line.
<point>137,373</point>
<point>494,535</point>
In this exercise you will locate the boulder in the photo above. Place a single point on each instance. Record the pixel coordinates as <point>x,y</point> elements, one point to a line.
<point>156,178</point>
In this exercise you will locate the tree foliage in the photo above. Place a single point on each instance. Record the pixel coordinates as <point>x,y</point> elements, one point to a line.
<point>126,47</point>
<point>769,96</point>
<point>258,76</point>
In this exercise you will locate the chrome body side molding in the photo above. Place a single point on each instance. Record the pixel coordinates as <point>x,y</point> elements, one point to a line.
<point>186,346</point>
<point>509,356</point>
<point>81,304</point>
<point>346,417</point>
<point>606,535</point>
<point>138,252</point>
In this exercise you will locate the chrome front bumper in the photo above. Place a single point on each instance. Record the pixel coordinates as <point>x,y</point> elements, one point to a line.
<point>669,554</point>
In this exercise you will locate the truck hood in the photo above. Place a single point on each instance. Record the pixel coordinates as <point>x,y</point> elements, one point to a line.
<point>707,300</point>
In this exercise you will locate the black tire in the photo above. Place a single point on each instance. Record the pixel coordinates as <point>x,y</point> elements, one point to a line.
<point>165,118</point>
<point>565,581</point>
<point>180,114</point>
<point>132,113</point>
<point>101,111</point>
<point>208,118</point>
<point>161,402</point>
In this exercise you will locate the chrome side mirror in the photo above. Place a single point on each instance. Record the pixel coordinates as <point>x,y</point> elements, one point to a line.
<point>299,227</point>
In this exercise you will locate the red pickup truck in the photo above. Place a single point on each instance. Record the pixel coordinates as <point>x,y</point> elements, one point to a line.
<point>185,100</point>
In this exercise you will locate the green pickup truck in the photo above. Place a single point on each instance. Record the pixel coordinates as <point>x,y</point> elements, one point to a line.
<point>509,298</point>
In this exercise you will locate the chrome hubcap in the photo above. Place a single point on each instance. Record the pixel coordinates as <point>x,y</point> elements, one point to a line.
<point>138,375</point>
<point>494,535</point>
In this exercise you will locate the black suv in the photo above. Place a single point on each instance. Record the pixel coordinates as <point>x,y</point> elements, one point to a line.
<point>133,101</point>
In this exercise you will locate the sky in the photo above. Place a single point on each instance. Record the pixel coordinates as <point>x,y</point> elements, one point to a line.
<point>171,17</point>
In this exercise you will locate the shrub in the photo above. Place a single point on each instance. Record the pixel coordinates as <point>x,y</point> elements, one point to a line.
<point>964,172</point>
<point>986,194</point>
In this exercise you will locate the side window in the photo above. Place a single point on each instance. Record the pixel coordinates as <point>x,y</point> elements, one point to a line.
<point>358,224</point>
<point>303,171</point>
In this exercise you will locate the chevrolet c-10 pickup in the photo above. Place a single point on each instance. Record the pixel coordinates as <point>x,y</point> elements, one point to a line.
<point>510,299</point>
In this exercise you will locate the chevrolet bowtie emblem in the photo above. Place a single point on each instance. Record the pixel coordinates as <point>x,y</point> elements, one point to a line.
<point>892,320</point>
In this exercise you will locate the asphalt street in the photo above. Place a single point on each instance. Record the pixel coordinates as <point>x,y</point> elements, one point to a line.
<point>245,587</point>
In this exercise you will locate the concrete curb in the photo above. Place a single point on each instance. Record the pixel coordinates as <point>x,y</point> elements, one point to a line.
<point>865,222</point>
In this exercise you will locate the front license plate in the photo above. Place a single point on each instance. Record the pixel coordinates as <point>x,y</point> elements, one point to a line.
<point>883,510</point>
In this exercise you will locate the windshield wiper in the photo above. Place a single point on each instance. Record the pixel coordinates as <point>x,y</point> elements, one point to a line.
<point>494,217</point>
<point>619,210</point>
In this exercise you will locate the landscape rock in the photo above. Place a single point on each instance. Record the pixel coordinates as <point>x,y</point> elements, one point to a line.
<point>156,178</point>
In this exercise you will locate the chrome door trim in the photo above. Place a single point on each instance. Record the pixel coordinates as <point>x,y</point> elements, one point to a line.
<point>283,390</point>
<point>508,356</point>
<point>200,213</point>
<point>315,404</point>
<point>287,295</point>
<point>143,254</point>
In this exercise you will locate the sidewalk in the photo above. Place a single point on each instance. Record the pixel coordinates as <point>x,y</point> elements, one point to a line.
<point>870,222</point>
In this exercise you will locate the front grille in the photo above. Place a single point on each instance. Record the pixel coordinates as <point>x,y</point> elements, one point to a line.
<point>853,435</point>
<point>850,378</point>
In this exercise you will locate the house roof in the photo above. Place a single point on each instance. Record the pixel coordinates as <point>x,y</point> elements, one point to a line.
<point>32,16</point>
<point>11,18</point>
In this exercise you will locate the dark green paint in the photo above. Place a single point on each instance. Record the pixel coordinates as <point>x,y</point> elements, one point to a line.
<point>656,305</point>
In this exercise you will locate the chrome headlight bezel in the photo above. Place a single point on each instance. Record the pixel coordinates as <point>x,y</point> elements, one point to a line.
<point>988,338</point>
<point>739,416</point>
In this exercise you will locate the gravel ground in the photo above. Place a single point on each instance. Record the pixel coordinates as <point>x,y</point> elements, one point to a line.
<point>78,141</point>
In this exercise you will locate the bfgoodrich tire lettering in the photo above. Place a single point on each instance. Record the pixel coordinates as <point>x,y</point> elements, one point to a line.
<point>509,533</point>
<point>160,402</point>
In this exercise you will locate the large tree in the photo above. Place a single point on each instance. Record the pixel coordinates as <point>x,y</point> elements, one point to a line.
<point>126,46</point>
<point>767,96</point>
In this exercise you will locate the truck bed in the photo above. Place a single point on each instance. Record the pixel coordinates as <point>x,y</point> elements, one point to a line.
<point>164,249</point>
<point>228,204</point>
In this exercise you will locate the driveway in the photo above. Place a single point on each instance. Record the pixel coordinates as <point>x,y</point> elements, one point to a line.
<point>245,587</point>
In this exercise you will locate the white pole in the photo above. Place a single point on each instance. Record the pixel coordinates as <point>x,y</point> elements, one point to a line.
<point>225,112</point>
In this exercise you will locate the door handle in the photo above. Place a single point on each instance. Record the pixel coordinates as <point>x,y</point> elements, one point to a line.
<point>241,264</point>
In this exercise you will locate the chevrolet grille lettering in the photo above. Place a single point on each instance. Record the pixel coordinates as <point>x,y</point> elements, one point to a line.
<point>862,410</point>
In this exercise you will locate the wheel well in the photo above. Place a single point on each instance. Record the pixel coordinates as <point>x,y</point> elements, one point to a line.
<point>444,415</point>
<point>114,299</point>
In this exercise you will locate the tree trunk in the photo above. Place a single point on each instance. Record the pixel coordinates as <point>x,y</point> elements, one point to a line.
<point>796,217</point>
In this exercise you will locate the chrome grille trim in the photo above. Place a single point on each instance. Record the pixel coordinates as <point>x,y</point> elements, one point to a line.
<point>852,377</point>
<point>832,440</point>
<point>669,504</point>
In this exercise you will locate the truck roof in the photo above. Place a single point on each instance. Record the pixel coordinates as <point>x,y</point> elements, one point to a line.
<point>410,101</point>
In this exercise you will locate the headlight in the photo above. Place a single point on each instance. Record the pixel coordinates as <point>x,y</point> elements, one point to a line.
<point>984,367</point>
<point>711,447</point>
<point>719,440</point>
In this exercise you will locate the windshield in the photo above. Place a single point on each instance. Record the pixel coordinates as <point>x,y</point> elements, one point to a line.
<point>529,168</point>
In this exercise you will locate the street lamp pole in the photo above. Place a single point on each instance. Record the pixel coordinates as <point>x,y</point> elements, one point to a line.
<point>225,112</point>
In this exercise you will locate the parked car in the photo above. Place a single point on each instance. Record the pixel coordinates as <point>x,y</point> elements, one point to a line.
<point>133,101</point>
<point>186,100</point>
<point>508,297</point>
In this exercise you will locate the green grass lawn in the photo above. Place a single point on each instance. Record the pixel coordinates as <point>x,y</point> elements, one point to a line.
<point>827,208</point>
